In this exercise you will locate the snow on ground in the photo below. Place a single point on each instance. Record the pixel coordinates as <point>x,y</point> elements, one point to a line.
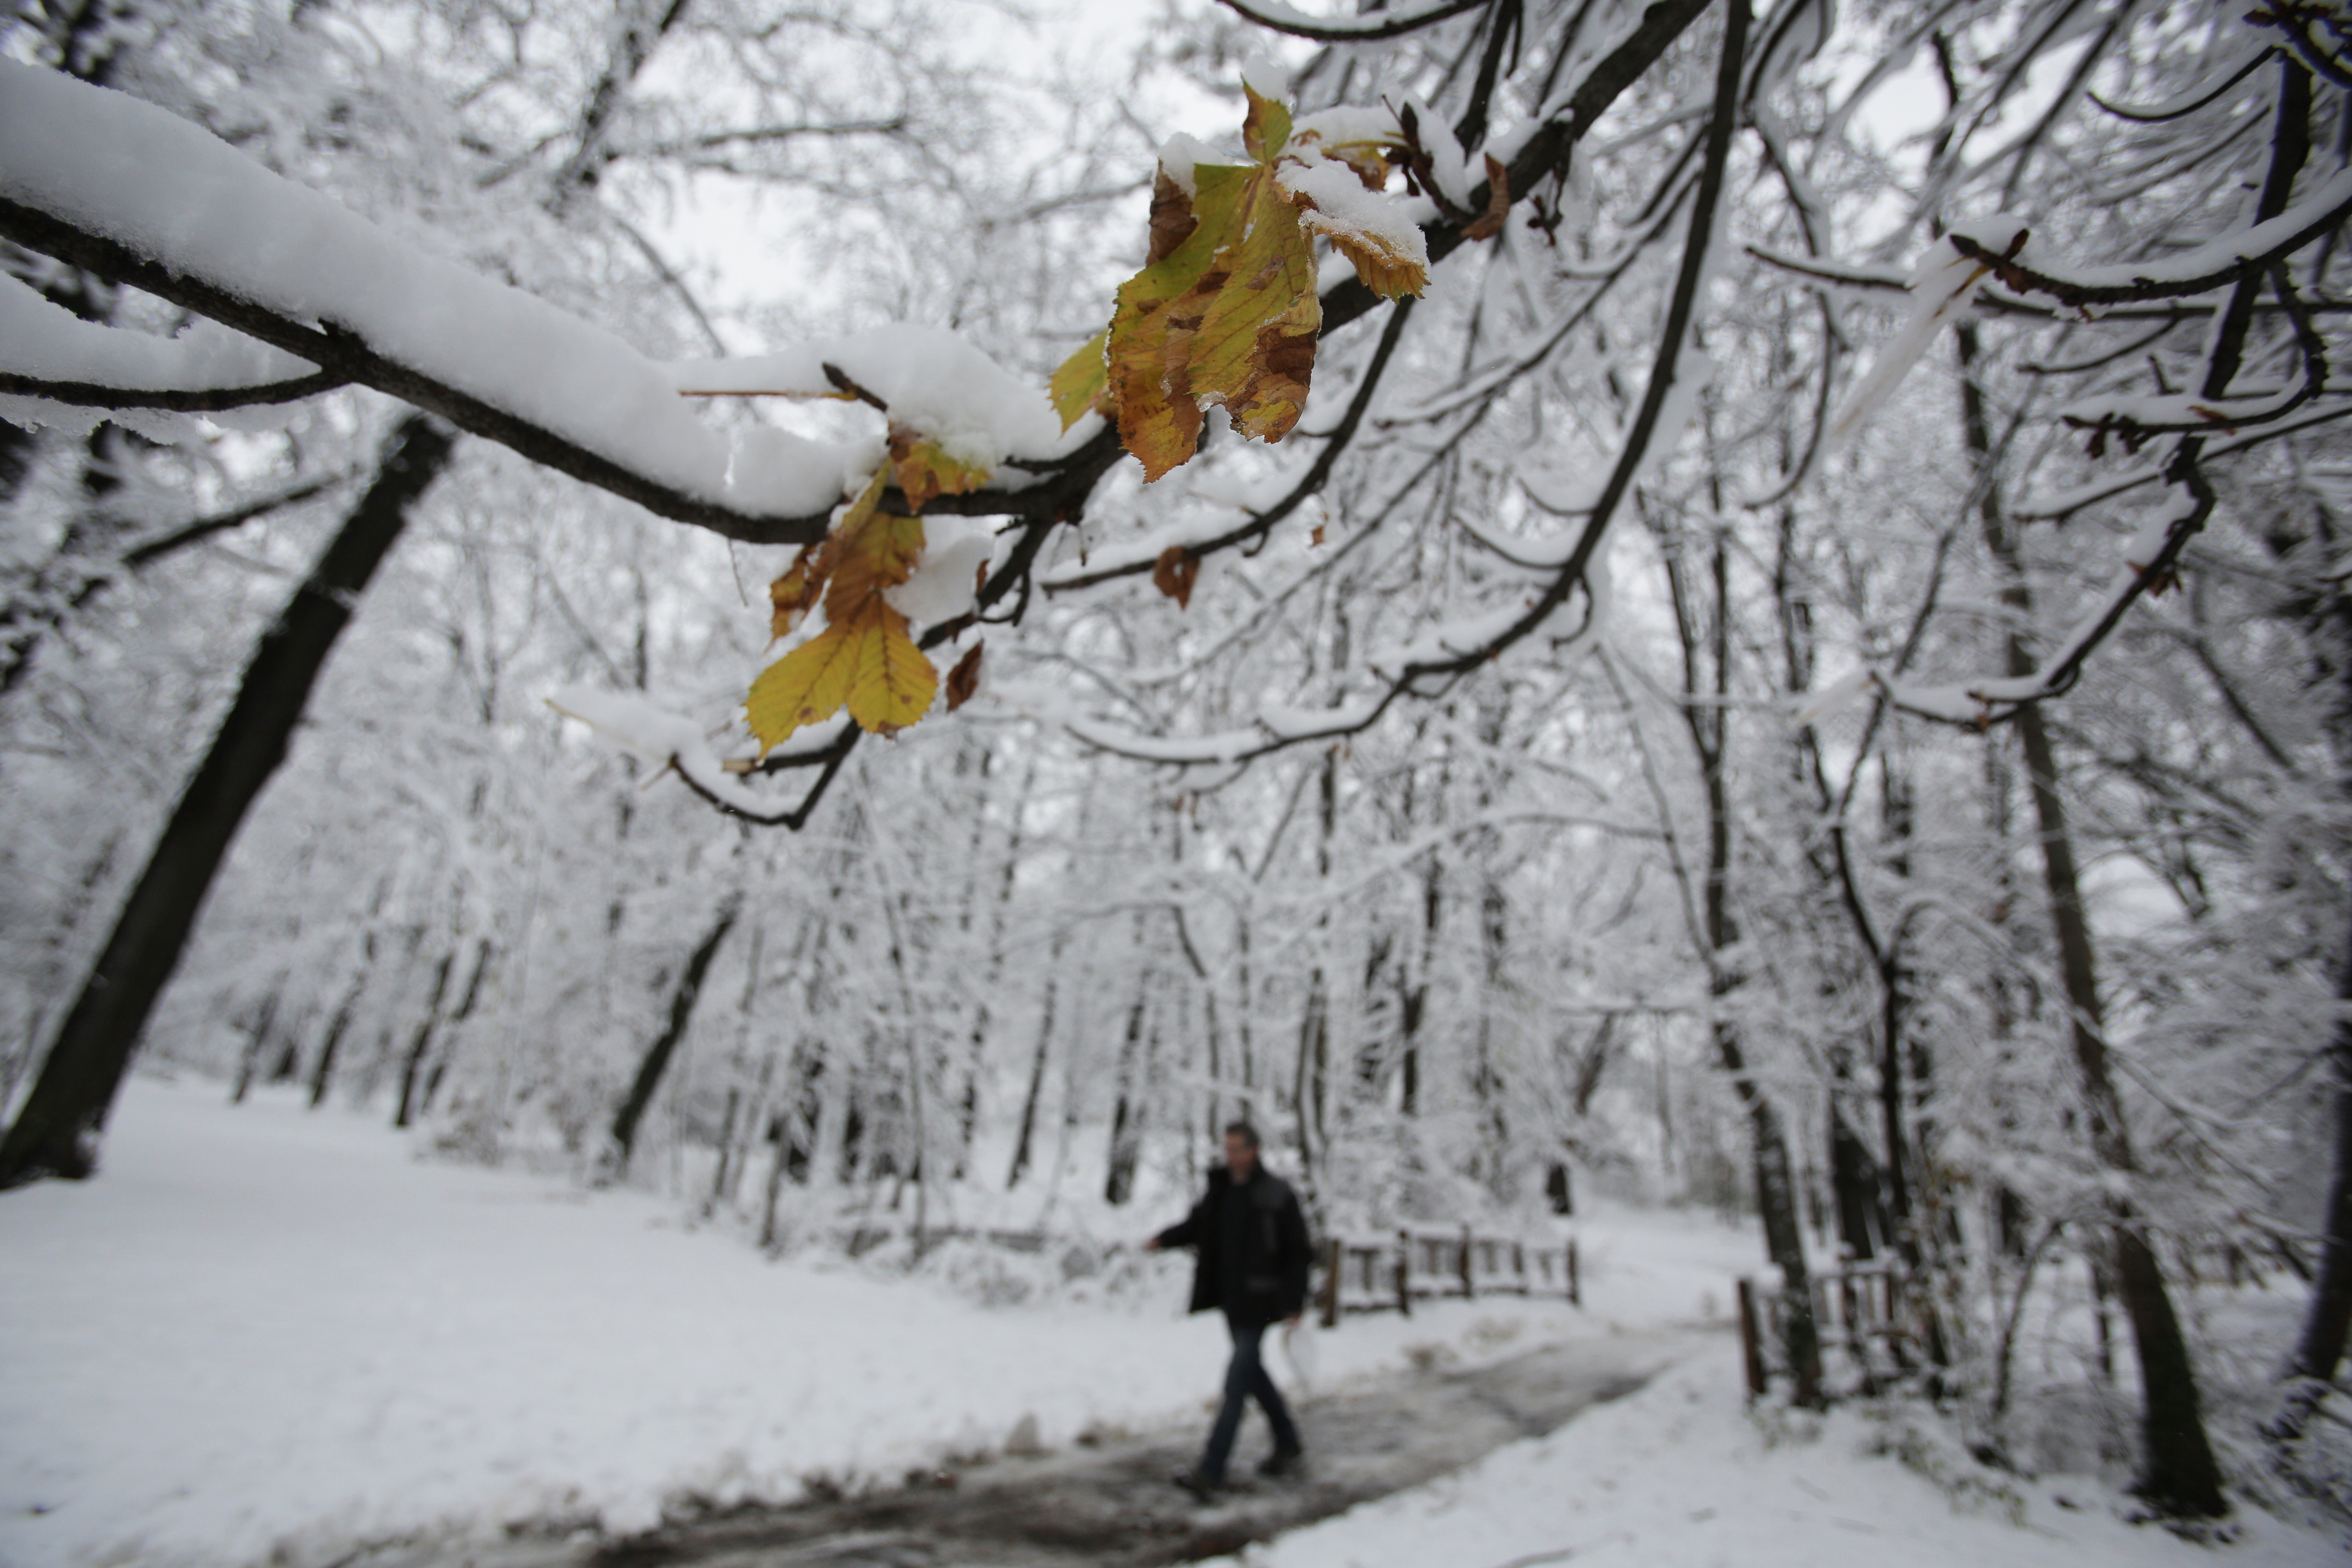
<point>1680,1476</point>
<point>263,1330</point>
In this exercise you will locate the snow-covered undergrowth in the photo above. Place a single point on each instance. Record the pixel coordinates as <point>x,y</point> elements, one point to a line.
<point>267,1333</point>
<point>1679,1476</point>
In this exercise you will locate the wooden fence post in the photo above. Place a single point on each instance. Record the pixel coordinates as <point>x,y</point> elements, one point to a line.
<point>1751,1343</point>
<point>1469,1286</point>
<point>1335,1261</point>
<point>1575,1285</point>
<point>1404,1273</point>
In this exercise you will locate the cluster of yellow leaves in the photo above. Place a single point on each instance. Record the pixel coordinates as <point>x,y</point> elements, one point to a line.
<point>1225,310</point>
<point>865,659</point>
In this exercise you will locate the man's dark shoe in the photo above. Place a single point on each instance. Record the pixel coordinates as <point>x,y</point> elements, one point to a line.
<point>1282,1462</point>
<point>1203,1488</point>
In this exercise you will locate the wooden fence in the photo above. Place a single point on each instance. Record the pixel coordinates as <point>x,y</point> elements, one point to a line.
<point>1388,1275</point>
<point>1864,1308</point>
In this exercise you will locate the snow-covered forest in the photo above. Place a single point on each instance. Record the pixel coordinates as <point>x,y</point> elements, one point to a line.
<point>1740,606</point>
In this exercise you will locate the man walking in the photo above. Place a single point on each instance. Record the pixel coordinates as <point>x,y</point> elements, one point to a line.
<point>1251,1256</point>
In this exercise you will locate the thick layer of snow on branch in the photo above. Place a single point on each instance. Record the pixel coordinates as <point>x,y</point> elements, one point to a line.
<point>655,733</point>
<point>1228,746</point>
<point>1372,23</point>
<point>2214,256</point>
<point>1469,635</point>
<point>41,338</point>
<point>2151,411</point>
<point>1288,723</point>
<point>1943,284</point>
<point>931,379</point>
<point>110,164</point>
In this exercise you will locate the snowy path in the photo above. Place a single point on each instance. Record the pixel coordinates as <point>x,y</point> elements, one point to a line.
<point>265,1334</point>
<point>1110,1504</point>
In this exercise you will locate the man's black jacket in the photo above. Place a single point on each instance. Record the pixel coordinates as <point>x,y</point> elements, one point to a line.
<point>1252,1249</point>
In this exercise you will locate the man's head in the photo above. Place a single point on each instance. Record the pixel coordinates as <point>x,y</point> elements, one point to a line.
<point>1241,1150</point>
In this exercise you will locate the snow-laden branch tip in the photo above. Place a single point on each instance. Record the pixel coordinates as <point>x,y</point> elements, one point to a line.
<point>2198,270</point>
<point>1942,285</point>
<point>1368,28</point>
<point>47,352</point>
<point>928,378</point>
<point>648,730</point>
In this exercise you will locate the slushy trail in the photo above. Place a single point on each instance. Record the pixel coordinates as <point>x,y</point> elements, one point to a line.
<point>1112,1505</point>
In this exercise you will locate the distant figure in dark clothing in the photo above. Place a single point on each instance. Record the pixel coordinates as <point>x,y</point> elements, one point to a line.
<point>1249,1237</point>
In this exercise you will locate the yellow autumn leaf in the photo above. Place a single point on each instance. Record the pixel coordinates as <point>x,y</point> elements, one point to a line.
<point>926,469</point>
<point>894,683</point>
<point>1266,128</point>
<point>807,686</point>
<point>864,659</point>
<point>1081,380</point>
<point>868,663</point>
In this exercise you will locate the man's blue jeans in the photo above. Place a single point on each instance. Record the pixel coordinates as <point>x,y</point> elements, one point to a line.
<point>1247,1377</point>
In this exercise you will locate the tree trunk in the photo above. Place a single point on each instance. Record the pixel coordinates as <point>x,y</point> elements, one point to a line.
<point>1853,1184</point>
<point>2178,1475</point>
<point>1705,633</point>
<point>2320,1349</point>
<point>1025,1138</point>
<point>484,954</point>
<point>56,1132</point>
<point>1126,1116</point>
<point>422,1042</point>
<point>665,1045</point>
<point>323,1073</point>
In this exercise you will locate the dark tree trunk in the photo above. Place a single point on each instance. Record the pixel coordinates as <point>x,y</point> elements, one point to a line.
<point>265,1014</point>
<point>1704,631</point>
<point>665,1045</point>
<point>1126,1116</point>
<point>1853,1180</point>
<point>2320,1349</point>
<point>323,1072</point>
<point>57,1131</point>
<point>1025,1139</point>
<point>2177,1474</point>
<point>412,1067</point>
<point>484,954</point>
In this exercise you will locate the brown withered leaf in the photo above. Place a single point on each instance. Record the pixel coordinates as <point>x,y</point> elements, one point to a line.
<point>1315,537</point>
<point>1173,218</point>
<point>1174,573</point>
<point>1369,159</point>
<point>927,470</point>
<point>1499,203</point>
<point>1225,310</point>
<point>964,679</point>
<point>794,594</point>
<point>790,595</point>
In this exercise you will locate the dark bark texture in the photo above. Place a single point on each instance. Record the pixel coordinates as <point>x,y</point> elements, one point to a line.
<point>657,1056</point>
<point>56,1133</point>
